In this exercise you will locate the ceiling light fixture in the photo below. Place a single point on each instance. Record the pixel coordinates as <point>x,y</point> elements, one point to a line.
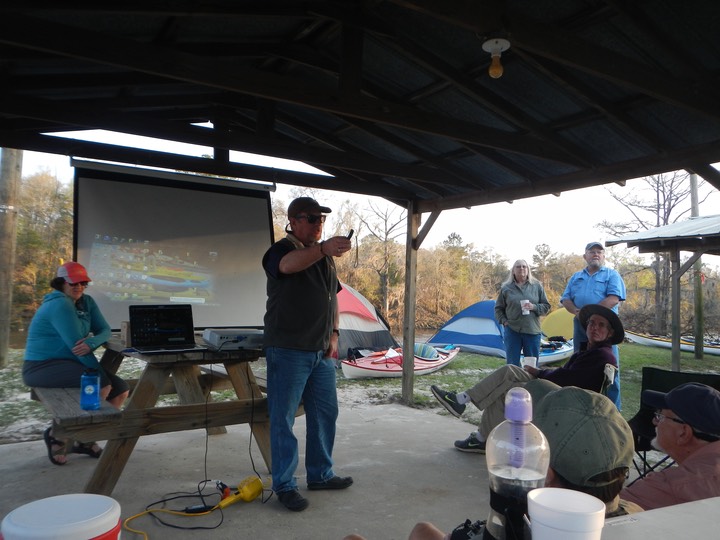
<point>495,46</point>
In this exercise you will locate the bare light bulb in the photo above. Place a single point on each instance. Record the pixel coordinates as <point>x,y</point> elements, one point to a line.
<point>496,69</point>
<point>495,46</point>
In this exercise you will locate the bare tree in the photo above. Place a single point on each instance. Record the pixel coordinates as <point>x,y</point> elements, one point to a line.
<point>664,199</point>
<point>386,225</point>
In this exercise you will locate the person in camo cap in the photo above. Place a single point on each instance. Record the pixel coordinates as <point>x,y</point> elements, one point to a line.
<point>591,450</point>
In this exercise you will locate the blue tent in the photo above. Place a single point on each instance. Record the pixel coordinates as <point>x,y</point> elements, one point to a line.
<point>474,329</point>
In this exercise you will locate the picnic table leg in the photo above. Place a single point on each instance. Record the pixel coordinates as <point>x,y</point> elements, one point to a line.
<point>246,387</point>
<point>117,451</point>
<point>189,390</point>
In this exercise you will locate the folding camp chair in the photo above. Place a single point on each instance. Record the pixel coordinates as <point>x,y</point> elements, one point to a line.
<point>610,373</point>
<point>642,424</point>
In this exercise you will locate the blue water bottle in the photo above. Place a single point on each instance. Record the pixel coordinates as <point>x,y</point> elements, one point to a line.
<point>90,390</point>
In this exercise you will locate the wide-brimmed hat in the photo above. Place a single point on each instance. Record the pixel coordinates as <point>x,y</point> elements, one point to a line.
<point>586,434</point>
<point>696,404</point>
<point>73,272</point>
<point>306,205</point>
<point>596,309</point>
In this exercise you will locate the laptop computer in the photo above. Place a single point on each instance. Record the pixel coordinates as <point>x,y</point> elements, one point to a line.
<point>163,328</point>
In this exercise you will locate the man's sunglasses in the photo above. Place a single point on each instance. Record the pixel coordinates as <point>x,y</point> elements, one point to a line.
<point>312,219</point>
<point>79,284</point>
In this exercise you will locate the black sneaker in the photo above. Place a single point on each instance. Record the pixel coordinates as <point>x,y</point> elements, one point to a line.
<point>292,500</point>
<point>448,400</point>
<point>336,482</point>
<point>468,530</point>
<point>471,444</point>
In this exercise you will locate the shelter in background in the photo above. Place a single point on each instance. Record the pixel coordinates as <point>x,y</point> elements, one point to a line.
<point>700,235</point>
<point>361,326</point>
<point>474,329</point>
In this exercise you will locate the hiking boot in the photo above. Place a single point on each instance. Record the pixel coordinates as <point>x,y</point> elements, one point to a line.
<point>471,444</point>
<point>292,500</point>
<point>448,400</point>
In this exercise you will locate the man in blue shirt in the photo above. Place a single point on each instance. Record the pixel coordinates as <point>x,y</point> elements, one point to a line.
<point>595,284</point>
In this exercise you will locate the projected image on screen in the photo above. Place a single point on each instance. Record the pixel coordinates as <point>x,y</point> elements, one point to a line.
<point>156,272</point>
<point>173,239</point>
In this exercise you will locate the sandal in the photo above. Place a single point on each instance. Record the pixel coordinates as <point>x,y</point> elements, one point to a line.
<point>60,448</point>
<point>89,449</point>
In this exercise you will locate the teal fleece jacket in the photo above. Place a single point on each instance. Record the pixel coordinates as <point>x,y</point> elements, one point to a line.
<point>59,324</point>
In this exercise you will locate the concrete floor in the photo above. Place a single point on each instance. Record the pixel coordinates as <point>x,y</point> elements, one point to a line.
<point>402,459</point>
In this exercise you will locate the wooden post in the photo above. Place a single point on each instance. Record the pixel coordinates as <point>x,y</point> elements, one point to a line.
<point>408,378</point>
<point>10,174</point>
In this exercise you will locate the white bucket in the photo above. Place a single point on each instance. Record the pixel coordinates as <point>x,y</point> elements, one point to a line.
<point>564,514</point>
<point>64,517</point>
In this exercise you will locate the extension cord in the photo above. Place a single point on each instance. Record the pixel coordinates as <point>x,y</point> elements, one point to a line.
<point>248,490</point>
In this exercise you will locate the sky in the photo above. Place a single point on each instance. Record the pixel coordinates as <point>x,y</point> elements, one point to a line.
<point>565,223</point>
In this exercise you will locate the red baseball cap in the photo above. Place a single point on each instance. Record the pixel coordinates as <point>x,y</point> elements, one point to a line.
<point>73,272</point>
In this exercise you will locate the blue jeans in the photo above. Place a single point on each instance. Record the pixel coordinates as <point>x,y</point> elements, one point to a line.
<point>295,376</point>
<point>515,342</point>
<point>579,339</point>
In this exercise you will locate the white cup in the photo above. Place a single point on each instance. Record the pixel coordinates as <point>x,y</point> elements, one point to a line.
<point>524,306</point>
<point>564,514</point>
<point>529,361</point>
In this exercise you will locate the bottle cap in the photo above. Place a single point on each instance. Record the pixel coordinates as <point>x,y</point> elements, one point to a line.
<point>518,405</point>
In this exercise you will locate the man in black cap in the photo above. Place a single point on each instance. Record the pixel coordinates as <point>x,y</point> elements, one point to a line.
<point>687,427</point>
<point>594,284</point>
<point>301,340</point>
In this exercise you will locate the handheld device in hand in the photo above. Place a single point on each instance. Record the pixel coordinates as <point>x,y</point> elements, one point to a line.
<point>350,234</point>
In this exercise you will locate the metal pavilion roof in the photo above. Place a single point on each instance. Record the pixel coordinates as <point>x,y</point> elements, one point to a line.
<point>696,234</point>
<point>390,97</point>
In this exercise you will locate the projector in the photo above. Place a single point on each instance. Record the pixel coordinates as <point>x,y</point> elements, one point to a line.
<point>233,338</point>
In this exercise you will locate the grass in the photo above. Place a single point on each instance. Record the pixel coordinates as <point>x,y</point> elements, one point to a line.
<point>468,368</point>
<point>24,419</point>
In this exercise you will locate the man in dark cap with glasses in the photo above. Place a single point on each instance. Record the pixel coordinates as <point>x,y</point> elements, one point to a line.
<point>301,340</point>
<point>687,427</point>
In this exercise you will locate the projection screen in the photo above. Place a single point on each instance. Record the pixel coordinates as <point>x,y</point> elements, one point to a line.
<point>158,238</point>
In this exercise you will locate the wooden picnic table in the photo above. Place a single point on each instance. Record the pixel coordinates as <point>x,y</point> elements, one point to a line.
<point>142,416</point>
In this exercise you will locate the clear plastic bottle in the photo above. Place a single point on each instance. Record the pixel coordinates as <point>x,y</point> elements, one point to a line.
<point>90,390</point>
<point>517,459</point>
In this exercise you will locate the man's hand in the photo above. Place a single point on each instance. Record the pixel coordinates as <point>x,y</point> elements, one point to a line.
<point>336,246</point>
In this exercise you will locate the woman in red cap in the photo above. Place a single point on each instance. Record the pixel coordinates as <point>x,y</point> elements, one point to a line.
<point>63,334</point>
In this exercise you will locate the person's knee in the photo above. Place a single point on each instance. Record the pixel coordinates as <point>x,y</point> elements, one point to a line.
<point>426,531</point>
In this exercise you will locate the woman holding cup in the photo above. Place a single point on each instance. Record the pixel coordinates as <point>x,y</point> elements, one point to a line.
<point>518,308</point>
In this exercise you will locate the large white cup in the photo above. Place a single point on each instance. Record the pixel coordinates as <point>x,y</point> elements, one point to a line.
<point>523,304</point>
<point>529,361</point>
<point>564,514</point>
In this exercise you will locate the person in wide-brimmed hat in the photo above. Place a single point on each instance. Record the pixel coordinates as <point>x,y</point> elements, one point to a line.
<point>585,369</point>
<point>594,284</point>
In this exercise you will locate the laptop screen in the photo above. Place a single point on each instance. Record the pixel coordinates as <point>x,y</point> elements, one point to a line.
<point>167,325</point>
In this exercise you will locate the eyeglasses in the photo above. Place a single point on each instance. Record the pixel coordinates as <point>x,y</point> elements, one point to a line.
<point>312,219</point>
<point>79,284</point>
<point>599,324</point>
<point>660,416</point>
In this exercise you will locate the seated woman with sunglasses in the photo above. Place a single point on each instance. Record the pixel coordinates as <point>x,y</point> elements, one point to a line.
<point>63,334</point>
